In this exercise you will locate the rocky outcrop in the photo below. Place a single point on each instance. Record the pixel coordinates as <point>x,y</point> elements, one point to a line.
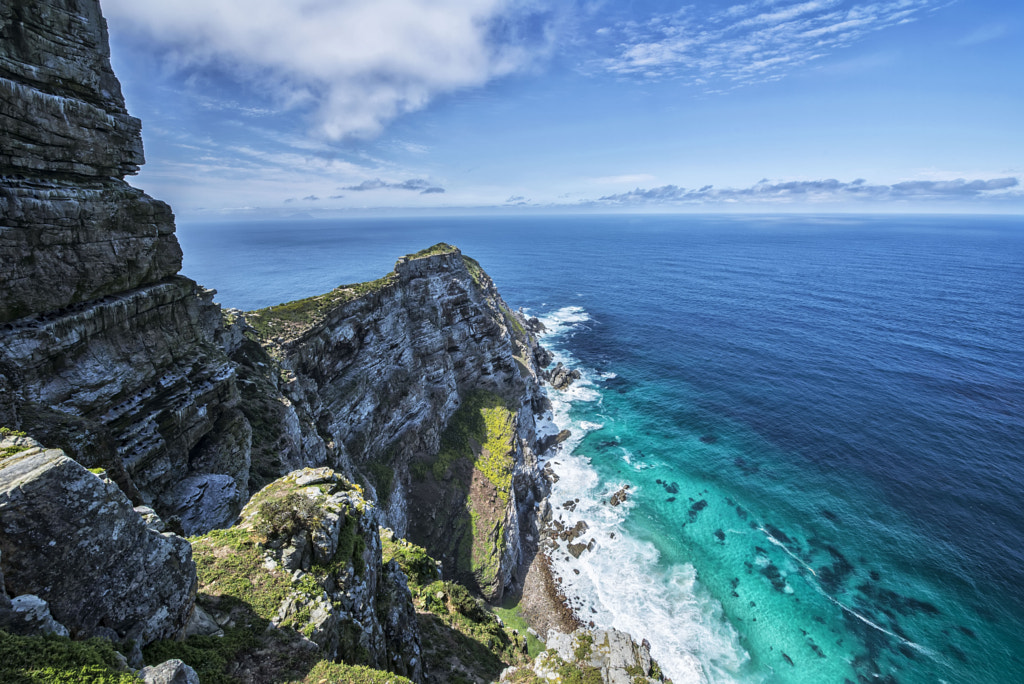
<point>377,371</point>
<point>607,656</point>
<point>71,538</point>
<point>308,548</point>
<point>561,377</point>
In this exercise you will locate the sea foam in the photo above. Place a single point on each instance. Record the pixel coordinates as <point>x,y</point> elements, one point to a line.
<point>621,582</point>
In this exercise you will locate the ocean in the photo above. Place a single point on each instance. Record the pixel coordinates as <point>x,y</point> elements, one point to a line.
<point>820,419</point>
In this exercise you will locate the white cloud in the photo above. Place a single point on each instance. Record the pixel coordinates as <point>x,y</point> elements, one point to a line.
<point>755,42</point>
<point>360,64</point>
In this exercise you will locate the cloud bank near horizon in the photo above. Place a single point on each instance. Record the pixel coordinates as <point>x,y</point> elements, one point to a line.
<point>823,191</point>
<point>357,66</point>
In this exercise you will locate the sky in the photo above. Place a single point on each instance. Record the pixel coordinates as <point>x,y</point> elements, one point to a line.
<point>320,108</point>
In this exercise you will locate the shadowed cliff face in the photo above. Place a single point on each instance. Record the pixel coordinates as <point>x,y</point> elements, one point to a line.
<point>104,350</point>
<point>72,229</point>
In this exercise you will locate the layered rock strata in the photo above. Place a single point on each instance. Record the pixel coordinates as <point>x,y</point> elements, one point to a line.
<point>104,351</point>
<point>69,221</point>
<point>378,370</point>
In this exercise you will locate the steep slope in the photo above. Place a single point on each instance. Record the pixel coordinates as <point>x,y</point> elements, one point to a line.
<point>105,352</point>
<point>377,371</point>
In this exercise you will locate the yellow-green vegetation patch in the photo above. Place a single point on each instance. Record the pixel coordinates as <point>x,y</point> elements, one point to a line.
<point>414,560</point>
<point>327,672</point>
<point>481,431</point>
<point>512,616</point>
<point>292,319</point>
<point>439,248</point>
<point>46,659</point>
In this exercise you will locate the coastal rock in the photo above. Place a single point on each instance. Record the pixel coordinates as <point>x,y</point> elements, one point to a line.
<point>606,656</point>
<point>74,540</point>
<point>552,440</point>
<point>561,377</point>
<point>620,496</point>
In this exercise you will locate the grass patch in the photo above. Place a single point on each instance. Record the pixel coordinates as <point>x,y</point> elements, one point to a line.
<point>9,451</point>
<point>45,659</point>
<point>476,272</point>
<point>484,421</point>
<point>414,560</point>
<point>292,319</point>
<point>513,618</point>
<point>439,248</point>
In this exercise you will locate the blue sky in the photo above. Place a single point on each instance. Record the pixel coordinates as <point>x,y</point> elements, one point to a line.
<point>322,108</point>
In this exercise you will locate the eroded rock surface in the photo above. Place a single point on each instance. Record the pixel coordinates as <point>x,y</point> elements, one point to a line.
<point>607,656</point>
<point>72,539</point>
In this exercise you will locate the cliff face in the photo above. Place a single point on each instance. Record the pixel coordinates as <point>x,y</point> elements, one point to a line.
<point>105,353</point>
<point>379,370</point>
<point>72,229</point>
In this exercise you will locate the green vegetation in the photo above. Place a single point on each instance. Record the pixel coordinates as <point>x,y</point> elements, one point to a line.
<point>476,272</point>
<point>233,580</point>
<point>230,563</point>
<point>584,643</point>
<point>414,560</point>
<point>326,671</point>
<point>481,432</point>
<point>8,451</point>
<point>462,639</point>
<point>513,321</point>
<point>281,518</point>
<point>292,319</point>
<point>47,659</point>
<point>383,476</point>
<point>513,618</point>
<point>439,248</point>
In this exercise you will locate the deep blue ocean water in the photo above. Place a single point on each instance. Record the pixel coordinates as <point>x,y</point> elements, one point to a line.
<point>821,421</point>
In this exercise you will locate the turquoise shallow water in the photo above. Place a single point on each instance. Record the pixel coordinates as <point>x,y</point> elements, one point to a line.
<point>819,419</point>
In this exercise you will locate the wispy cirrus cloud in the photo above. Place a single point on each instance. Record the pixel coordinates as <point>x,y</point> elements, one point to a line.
<point>824,191</point>
<point>355,65</point>
<point>753,42</point>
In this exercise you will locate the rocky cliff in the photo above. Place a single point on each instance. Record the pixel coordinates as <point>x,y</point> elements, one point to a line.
<point>423,386</point>
<point>104,351</point>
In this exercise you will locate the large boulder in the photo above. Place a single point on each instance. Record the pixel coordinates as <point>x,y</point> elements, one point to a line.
<point>72,539</point>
